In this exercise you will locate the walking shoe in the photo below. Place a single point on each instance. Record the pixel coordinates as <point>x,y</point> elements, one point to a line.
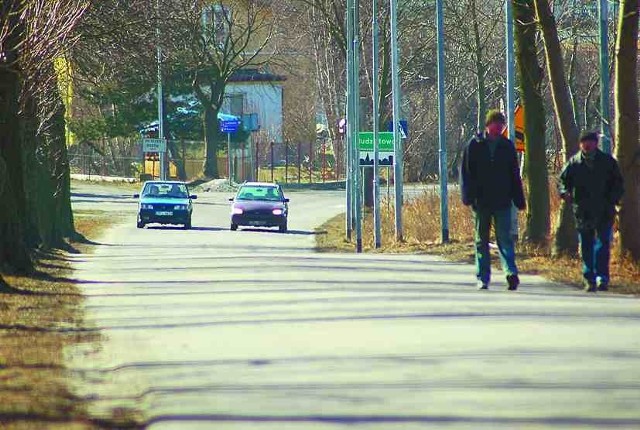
<point>590,286</point>
<point>513,282</point>
<point>602,285</point>
<point>483,285</point>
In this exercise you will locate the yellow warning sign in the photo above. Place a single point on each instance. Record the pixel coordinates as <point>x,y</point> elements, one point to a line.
<point>519,121</point>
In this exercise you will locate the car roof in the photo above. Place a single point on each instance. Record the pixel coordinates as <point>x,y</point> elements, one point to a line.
<point>166,182</point>
<point>260,184</point>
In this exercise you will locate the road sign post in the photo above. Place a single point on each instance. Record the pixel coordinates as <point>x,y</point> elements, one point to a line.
<point>229,126</point>
<point>511,94</point>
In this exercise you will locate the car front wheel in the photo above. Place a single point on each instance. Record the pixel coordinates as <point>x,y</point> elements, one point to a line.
<point>140,224</point>
<point>234,227</point>
<point>187,225</point>
<point>283,228</point>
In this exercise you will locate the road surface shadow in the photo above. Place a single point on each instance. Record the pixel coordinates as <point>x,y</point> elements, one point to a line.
<point>289,232</point>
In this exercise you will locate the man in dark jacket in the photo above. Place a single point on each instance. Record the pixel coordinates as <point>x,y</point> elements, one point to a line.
<point>592,182</point>
<point>491,184</point>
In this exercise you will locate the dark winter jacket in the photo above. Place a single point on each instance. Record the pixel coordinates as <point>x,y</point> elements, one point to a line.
<point>491,181</point>
<point>595,190</point>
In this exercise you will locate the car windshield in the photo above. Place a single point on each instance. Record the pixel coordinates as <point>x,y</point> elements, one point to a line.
<point>260,193</point>
<point>165,190</point>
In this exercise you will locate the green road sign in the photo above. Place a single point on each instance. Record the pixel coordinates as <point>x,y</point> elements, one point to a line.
<point>365,146</point>
<point>366,141</point>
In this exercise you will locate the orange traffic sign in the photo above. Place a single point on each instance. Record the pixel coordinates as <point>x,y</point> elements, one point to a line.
<point>519,122</point>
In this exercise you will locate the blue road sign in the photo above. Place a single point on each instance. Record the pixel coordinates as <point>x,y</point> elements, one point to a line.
<point>404,125</point>
<point>230,126</point>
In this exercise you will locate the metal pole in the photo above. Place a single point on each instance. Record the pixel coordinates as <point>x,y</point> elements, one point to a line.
<point>377,222</point>
<point>163,167</point>
<point>356,124</point>
<point>511,94</point>
<point>349,113</point>
<point>229,170</point>
<point>442,130</point>
<point>605,115</point>
<point>397,141</point>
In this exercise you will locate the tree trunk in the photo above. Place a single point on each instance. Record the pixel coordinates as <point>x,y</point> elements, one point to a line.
<point>61,177</point>
<point>14,255</point>
<point>531,77</point>
<point>211,135</point>
<point>481,90</point>
<point>566,239</point>
<point>626,123</point>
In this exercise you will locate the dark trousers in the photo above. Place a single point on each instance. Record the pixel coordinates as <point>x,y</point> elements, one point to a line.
<point>595,249</point>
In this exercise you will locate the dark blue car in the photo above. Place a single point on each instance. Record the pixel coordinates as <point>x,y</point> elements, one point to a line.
<point>165,202</point>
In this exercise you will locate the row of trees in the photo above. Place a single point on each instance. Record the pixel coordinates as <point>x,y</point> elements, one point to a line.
<point>34,175</point>
<point>557,63</point>
<point>109,48</point>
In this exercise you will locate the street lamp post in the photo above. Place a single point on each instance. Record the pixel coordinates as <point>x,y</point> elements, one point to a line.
<point>442,133</point>
<point>603,17</point>
<point>163,160</point>
<point>397,141</point>
<point>511,95</point>
<point>377,233</point>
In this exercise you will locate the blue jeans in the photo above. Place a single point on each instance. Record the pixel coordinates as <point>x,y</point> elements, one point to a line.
<point>502,224</point>
<point>595,249</point>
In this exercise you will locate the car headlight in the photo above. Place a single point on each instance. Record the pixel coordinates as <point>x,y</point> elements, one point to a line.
<point>278,211</point>
<point>180,208</point>
<point>237,211</point>
<point>144,206</point>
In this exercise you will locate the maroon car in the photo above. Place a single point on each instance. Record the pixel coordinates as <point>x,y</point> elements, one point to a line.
<point>259,204</point>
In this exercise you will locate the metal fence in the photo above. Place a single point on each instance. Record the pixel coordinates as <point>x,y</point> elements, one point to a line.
<point>314,162</point>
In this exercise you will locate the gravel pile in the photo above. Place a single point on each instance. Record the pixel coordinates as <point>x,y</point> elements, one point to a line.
<point>217,185</point>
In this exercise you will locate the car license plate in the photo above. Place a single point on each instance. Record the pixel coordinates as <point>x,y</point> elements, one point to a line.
<point>161,213</point>
<point>258,223</point>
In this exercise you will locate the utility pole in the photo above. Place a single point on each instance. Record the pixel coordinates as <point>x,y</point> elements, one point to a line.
<point>442,130</point>
<point>349,131</point>
<point>511,95</point>
<point>163,154</point>
<point>377,222</point>
<point>605,115</point>
<point>397,141</point>
<point>356,124</point>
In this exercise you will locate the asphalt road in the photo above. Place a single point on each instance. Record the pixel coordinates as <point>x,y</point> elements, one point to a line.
<point>212,329</point>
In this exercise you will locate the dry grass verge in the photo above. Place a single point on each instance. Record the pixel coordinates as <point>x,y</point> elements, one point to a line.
<point>39,316</point>
<point>422,235</point>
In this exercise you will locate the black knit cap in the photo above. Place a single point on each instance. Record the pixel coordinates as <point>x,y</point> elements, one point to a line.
<point>589,136</point>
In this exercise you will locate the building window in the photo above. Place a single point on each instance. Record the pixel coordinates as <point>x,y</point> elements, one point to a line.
<point>235,104</point>
<point>216,22</point>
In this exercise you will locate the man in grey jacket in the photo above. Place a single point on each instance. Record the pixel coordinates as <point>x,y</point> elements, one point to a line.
<point>592,182</point>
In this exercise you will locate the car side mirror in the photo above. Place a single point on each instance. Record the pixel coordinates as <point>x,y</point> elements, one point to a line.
<point>193,197</point>
<point>136,196</point>
<point>232,199</point>
<point>286,200</point>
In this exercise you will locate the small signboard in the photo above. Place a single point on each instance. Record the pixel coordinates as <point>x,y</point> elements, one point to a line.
<point>154,145</point>
<point>385,146</point>
<point>230,126</point>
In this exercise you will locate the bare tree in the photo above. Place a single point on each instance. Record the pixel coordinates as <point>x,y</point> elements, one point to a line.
<point>213,41</point>
<point>566,241</point>
<point>531,76</point>
<point>628,149</point>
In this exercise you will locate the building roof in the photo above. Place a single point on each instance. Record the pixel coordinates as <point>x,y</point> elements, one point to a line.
<point>255,75</point>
